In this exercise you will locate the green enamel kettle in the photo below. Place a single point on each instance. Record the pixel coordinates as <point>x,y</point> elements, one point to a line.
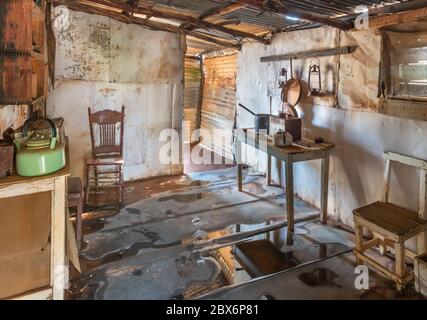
<point>38,153</point>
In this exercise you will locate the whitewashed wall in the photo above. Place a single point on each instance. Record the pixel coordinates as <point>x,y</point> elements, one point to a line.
<point>361,135</point>
<point>104,64</point>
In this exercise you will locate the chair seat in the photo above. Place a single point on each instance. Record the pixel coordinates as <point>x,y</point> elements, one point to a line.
<point>105,162</point>
<point>397,223</point>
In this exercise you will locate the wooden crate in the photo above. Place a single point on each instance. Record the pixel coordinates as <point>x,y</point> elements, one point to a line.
<point>420,270</point>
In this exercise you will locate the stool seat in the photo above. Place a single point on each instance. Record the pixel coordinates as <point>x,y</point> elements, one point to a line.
<point>75,187</point>
<point>75,200</point>
<point>394,222</point>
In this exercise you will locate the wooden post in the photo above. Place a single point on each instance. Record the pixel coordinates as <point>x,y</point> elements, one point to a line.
<point>324,188</point>
<point>57,279</point>
<point>290,199</point>
<point>422,238</point>
<point>386,180</point>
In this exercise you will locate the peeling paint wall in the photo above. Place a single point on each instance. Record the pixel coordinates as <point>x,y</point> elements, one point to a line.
<point>104,64</point>
<point>361,137</point>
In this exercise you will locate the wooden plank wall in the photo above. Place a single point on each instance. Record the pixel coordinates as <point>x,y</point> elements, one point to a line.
<point>192,92</point>
<point>219,98</point>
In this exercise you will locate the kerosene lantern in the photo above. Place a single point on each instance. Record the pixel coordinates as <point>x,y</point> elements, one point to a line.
<point>283,77</point>
<point>314,78</point>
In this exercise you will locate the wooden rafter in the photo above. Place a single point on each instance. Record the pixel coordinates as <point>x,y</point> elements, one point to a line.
<point>126,18</point>
<point>141,8</point>
<point>281,7</point>
<point>397,18</point>
<point>218,11</point>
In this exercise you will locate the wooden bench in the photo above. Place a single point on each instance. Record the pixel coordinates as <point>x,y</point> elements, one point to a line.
<point>392,225</point>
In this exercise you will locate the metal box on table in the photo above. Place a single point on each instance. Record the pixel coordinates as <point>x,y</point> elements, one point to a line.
<point>291,125</point>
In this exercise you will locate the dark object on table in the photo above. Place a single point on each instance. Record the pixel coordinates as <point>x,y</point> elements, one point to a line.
<point>290,125</point>
<point>319,140</point>
<point>106,131</point>
<point>261,121</point>
<point>75,200</point>
<point>6,158</point>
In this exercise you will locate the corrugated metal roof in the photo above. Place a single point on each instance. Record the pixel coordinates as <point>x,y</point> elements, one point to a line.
<point>257,22</point>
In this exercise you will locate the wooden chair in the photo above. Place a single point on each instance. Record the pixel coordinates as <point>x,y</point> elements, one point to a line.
<point>393,225</point>
<point>75,200</point>
<point>106,130</point>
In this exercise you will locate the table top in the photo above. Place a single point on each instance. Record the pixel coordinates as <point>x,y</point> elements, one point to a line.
<point>252,138</point>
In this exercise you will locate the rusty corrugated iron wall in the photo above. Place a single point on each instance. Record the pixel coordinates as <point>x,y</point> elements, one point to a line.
<point>219,99</point>
<point>192,92</point>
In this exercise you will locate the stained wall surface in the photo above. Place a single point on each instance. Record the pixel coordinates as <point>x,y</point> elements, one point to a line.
<point>349,119</point>
<point>104,64</point>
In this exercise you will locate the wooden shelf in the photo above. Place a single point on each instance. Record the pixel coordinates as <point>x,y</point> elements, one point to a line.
<point>310,54</point>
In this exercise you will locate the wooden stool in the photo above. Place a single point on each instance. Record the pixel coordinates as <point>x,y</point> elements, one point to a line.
<point>75,200</point>
<point>392,226</point>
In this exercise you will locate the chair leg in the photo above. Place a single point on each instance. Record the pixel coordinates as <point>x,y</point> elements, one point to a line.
<point>121,183</point>
<point>96,179</point>
<point>87,187</point>
<point>79,223</point>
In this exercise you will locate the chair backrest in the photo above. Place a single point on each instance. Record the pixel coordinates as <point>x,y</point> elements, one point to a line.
<point>106,131</point>
<point>390,157</point>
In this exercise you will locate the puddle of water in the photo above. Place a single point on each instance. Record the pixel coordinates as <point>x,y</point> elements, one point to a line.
<point>320,277</point>
<point>184,198</point>
<point>267,254</point>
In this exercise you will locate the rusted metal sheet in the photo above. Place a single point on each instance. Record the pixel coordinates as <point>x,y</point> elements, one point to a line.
<point>219,98</point>
<point>192,91</point>
<point>15,21</point>
<point>15,80</point>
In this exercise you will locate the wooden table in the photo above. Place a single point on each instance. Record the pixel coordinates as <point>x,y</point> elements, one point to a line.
<point>54,183</point>
<point>289,155</point>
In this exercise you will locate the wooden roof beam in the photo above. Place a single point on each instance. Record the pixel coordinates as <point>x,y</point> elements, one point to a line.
<point>146,9</point>
<point>219,11</point>
<point>123,17</point>
<point>398,18</point>
<point>276,6</point>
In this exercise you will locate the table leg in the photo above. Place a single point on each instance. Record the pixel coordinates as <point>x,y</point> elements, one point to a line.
<point>324,189</point>
<point>239,166</point>
<point>59,271</point>
<point>290,200</point>
<point>268,170</point>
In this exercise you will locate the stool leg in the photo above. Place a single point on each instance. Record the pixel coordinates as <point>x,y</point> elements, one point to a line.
<point>79,223</point>
<point>400,262</point>
<point>359,241</point>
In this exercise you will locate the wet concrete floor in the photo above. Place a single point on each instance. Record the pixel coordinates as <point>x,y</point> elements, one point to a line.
<point>198,236</point>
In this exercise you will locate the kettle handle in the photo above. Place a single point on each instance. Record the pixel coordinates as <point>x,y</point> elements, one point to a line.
<point>50,122</point>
